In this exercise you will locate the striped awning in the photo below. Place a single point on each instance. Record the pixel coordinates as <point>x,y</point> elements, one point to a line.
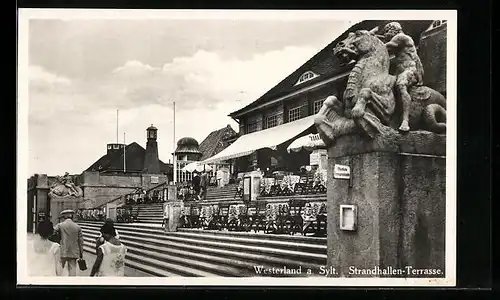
<point>309,142</point>
<point>267,138</point>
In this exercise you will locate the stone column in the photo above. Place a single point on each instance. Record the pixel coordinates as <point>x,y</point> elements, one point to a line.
<point>174,209</point>
<point>397,187</point>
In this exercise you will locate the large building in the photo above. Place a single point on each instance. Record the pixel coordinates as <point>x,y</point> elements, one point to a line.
<point>268,125</point>
<point>123,169</point>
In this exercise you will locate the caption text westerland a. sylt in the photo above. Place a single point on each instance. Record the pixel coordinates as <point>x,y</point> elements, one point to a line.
<point>352,270</point>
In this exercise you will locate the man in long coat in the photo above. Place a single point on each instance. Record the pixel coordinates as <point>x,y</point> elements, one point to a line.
<point>71,241</point>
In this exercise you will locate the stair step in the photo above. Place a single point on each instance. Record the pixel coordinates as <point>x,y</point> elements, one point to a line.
<point>182,270</point>
<point>309,242</point>
<point>247,267</point>
<point>149,270</point>
<point>236,258</point>
<point>197,253</point>
<point>238,246</point>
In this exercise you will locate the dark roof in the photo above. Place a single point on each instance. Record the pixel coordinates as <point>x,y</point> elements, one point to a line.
<point>216,141</point>
<point>187,145</point>
<point>326,65</point>
<point>134,155</point>
<point>187,141</point>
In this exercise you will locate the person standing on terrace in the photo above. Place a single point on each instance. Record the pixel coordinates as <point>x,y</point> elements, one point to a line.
<point>204,184</point>
<point>196,185</point>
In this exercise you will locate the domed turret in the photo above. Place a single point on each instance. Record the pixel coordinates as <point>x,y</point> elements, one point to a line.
<point>188,149</point>
<point>187,145</point>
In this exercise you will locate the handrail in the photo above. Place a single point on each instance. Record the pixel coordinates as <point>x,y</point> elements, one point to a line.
<point>124,195</point>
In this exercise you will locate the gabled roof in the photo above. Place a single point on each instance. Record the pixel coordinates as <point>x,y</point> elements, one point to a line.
<point>134,156</point>
<point>326,65</point>
<point>216,141</point>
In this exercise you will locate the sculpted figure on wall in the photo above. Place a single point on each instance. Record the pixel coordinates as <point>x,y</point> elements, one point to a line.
<point>64,187</point>
<point>376,102</point>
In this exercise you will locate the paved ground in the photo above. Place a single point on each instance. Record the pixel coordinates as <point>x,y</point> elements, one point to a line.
<point>90,259</point>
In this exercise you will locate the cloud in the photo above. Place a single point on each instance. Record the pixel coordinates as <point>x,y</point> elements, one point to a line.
<point>134,68</point>
<point>44,81</point>
<point>206,87</point>
<point>204,79</point>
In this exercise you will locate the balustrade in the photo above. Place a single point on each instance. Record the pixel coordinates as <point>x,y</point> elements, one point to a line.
<point>290,217</point>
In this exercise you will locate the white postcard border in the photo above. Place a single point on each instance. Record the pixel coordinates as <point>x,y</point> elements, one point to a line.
<point>24,15</point>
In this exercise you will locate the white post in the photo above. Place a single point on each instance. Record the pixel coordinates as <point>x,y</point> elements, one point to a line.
<point>173,153</point>
<point>124,160</point>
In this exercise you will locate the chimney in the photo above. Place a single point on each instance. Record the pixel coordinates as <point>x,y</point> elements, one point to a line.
<point>151,160</point>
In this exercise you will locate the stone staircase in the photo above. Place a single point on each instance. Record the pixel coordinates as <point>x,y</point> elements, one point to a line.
<point>149,213</point>
<point>203,253</point>
<point>221,193</point>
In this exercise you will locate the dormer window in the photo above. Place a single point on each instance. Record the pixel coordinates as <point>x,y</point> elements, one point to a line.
<point>306,76</point>
<point>436,24</point>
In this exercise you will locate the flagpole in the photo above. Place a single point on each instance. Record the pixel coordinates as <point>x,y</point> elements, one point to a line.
<point>173,153</point>
<point>124,160</point>
<point>117,126</point>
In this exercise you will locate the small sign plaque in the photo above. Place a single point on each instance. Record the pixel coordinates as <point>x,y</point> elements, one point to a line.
<point>341,172</point>
<point>348,217</point>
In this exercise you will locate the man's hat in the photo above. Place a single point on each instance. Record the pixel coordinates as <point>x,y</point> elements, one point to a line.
<point>66,212</point>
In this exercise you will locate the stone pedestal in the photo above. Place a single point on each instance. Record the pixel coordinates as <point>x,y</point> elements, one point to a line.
<point>171,192</point>
<point>173,209</point>
<point>400,201</point>
<point>58,204</point>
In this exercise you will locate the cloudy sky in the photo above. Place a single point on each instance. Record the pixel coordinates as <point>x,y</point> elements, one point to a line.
<point>82,71</point>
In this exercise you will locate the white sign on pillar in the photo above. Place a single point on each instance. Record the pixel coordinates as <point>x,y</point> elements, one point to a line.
<point>341,172</point>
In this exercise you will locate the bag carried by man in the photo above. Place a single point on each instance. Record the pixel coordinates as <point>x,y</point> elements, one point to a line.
<point>82,264</point>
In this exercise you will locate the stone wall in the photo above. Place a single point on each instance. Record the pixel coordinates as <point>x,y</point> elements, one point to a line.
<point>400,200</point>
<point>423,211</point>
<point>37,190</point>
<point>59,204</point>
<point>100,188</point>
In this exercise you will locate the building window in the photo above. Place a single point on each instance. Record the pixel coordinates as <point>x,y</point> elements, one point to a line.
<point>294,114</point>
<point>251,127</point>
<point>317,106</point>
<point>272,121</point>
<point>109,147</point>
<point>306,76</point>
<point>115,146</point>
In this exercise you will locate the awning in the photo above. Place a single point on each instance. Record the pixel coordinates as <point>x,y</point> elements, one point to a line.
<point>309,142</point>
<point>267,138</point>
<point>196,166</point>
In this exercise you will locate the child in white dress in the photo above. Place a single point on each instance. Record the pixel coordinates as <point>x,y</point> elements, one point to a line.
<point>110,259</point>
<point>43,254</point>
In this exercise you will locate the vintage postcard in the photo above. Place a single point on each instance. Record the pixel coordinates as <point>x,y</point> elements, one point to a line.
<point>252,148</point>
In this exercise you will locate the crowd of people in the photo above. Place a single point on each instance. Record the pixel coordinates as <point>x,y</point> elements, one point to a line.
<point>58,250</point>
<point>196,189</point>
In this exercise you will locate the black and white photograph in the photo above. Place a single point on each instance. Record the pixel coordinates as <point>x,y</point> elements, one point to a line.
<point>228,147</point>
